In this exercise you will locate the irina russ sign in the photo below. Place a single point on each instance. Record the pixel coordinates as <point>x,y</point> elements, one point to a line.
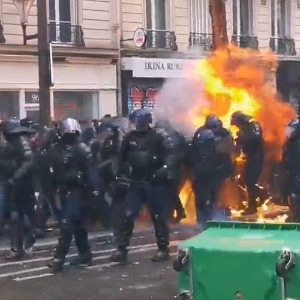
<point>159,68</point>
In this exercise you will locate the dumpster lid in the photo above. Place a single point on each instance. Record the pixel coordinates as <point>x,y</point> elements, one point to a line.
<point>254,237</point>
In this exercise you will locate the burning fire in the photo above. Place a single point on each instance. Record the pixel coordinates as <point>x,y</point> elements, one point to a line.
<point>233,80</point>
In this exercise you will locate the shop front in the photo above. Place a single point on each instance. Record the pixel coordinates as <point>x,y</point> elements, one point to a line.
<point>81,90</point>
<point>142,78</point>
<point>9,104</point>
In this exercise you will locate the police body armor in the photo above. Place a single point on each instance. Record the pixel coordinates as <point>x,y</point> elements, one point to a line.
<point>143,156</point>
<point>204,157</point>
<point>250,139</point>
<point>71,175</point>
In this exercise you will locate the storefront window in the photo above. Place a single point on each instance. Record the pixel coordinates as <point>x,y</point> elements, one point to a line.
<point>33,114</point>
<point>9,104</point>
<point>78,105</point>
<point>32,105</point>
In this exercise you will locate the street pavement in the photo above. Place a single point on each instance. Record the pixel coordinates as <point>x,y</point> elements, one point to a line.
<point>30,279</point>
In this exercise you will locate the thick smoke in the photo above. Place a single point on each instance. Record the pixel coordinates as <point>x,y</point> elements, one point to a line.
<point>178,99</point>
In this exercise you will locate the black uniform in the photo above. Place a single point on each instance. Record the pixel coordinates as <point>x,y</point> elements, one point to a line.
<point>16,165</point>
<point>147,154</point>
<point>99,182</point>
<point>207,179</point>
<point>45,179</point>
<point>291,164</point>
<point>111,132</point>
<point>250,142</point>
<point>70,165</point>
<point>179,153</point>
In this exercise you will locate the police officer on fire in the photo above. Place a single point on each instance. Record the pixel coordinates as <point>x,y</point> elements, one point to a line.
<point>250,142</point>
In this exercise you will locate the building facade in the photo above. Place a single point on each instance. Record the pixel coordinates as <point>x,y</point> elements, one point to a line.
<point>85,57</point>
<point>156,34</point>
<point>112,56</point>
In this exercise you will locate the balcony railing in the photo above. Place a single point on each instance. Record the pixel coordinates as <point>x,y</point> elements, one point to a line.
<point>65,33</point>
<point>160,39</point>
<point>245,41</point>
<point>283,46</point>
<point>201,39</point>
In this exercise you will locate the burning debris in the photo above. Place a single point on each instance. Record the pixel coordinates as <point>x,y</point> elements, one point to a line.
<point>233,80</point>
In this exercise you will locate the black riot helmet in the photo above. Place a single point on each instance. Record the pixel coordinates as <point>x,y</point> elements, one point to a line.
<point>213,122</point>
<point>239,119</point>
<point>111,132</point>
<point>141,119</point>
<point>29,123</point>
<point>88,134</point>
<point>26,122</point>
<point>205,136</point>
<point>13,127</point>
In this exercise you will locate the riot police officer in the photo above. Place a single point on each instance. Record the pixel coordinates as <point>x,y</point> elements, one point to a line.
<point>111,132</point>
<point>104,149</point>
<point>45,179</point>
<point>16,165</point>
<point>174,181</point>
<point>224,145</point>
<point>147,154</point>
<point>250,142</point>
<point>291,164</point>
<point>70,166</point>
<point>207,181</point>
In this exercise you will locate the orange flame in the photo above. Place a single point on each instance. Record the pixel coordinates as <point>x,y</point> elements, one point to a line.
<point>237,79</point>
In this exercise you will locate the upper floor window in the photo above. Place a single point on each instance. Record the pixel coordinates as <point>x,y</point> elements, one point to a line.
<point>281,18</point>
<point>200,17</point>
<point>242,14</point>
<point>62,20</point>
<point>157,14</point>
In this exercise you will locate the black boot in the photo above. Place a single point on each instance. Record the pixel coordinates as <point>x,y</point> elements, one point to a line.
<point>119,256</point>
<point>15,255</point>
<point>85,256</point>
<point>16,238</point>
<point>122,239</point>
<point>62,248</point>
<point>82,260</point>
<point>161,255</point>
<point>29,242</point>
<point>162,237</point>
<point>56,265</point>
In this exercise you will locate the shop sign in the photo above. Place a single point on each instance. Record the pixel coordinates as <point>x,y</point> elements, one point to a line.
<point>32,98</point>
<point>159,68</point>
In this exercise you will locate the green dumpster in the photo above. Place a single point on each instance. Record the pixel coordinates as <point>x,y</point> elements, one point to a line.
<point>247,261</point>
